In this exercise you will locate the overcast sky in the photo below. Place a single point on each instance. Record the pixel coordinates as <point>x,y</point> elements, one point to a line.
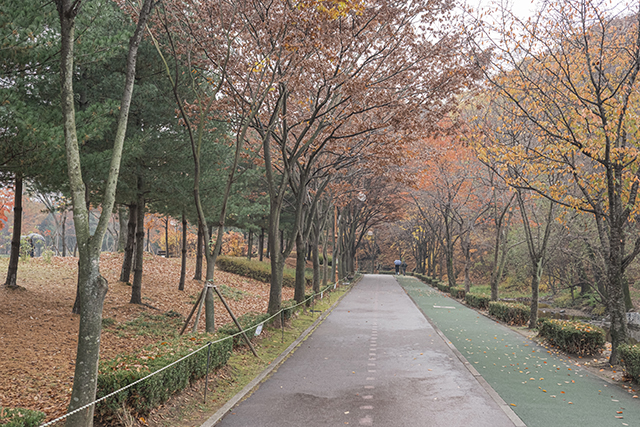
<point>522,8</point>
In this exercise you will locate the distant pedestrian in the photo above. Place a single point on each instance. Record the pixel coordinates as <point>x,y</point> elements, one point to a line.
<point>403,267</point>
<point>397,263</point>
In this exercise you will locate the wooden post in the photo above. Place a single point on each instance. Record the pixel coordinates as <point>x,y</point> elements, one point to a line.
<point>253,350</point>
<point>193,310</point>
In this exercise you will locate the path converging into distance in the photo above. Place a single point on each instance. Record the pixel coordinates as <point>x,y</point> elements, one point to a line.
<point>374,361</point>
<point>543,388</point>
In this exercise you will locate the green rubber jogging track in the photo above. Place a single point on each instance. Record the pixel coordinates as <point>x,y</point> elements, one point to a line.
<point>542,388</point>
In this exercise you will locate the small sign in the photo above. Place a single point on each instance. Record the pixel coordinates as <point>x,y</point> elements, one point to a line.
<point>321,295</point>
<point>259,329</point>
<point>335,284</point>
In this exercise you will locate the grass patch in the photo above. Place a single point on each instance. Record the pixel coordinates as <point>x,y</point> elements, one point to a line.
<point>231,293</point>
<point>504,292</point>
<point>165,325</point>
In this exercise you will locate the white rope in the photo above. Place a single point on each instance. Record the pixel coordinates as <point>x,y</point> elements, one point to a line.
<point>173,363</point>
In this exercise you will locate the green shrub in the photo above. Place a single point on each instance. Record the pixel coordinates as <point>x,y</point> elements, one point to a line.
<point>20,417</point>
<point>442,286</point>
<point>509,312</point>
<point>308,299</point>
<point>257,270</point>
<point>572,336</point>
<point>146,395</point>
<point>25,250</point>
<point>433,281</point>
<point>630,355</point>
<point>47,254</point>
<point>457,292</point>
<point>329,259</point>
<point>422,277</point>
<point>288,308</point>
<point>480,301</point>
<point>250,319</point>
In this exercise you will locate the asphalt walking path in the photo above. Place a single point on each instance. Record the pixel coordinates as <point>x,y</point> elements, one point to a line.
<point>542,388</point>
<point>374,361</point>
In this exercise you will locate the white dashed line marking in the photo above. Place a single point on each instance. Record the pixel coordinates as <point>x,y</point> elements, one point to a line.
<point>366,421</point>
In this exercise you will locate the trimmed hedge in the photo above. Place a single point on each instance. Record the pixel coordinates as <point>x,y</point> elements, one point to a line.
<point>572,336</point>
<point>480,301</point>
<point>288,308</point>
<point>20,417</point>
<point>329,259</point>
<point>141,398</point>
<point>257,270</point>
<point>630,355</point>
<point>509,312</point>
<point>457,292</point>
<point>442,286</point>
<point>246,320</point>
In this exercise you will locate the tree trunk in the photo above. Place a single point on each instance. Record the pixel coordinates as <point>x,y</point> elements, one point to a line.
<point>466,250</point>
<point>147,246</point>
<point>166,236</point>
<point>92,286</point>
<point>535,291</point>
<point>261,244</point>
<point>338,258</point>
<point>300,267</point>
<point>615,301</point>
<point>92,291</point>
<point>451,275</point>
<point>136,289</point>
<point>325,257</point>
<point>315,258</point>
<point>12,271</point>
<point>199,253</point>
<point>628,302</point>
<point>250,245</point>
<point>334,250</point>
<point>277,263</point>
<point>64,234</point>
<point>123,219</point>
<point>127,261</point>
<point>500,260</point>
<point>183,261</point>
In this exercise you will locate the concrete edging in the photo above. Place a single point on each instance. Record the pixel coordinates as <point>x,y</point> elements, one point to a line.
<point>213,420</point>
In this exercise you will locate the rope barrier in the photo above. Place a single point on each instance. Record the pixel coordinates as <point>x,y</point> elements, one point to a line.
<point>88,405</point>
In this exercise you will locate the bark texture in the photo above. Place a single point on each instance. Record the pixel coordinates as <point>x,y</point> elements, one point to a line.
<point>12,271</point>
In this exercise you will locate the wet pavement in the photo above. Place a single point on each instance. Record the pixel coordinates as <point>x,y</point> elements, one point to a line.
<point>542,388</point>
<point>374,361</point>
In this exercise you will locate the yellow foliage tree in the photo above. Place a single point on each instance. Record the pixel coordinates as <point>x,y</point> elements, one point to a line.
<point>565,121</point>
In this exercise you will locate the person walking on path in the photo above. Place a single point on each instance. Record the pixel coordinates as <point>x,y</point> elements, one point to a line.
<point>397,263</point>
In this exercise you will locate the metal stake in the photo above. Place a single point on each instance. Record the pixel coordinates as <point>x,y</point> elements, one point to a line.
<point>282,323</point>
<point>206,380</point>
